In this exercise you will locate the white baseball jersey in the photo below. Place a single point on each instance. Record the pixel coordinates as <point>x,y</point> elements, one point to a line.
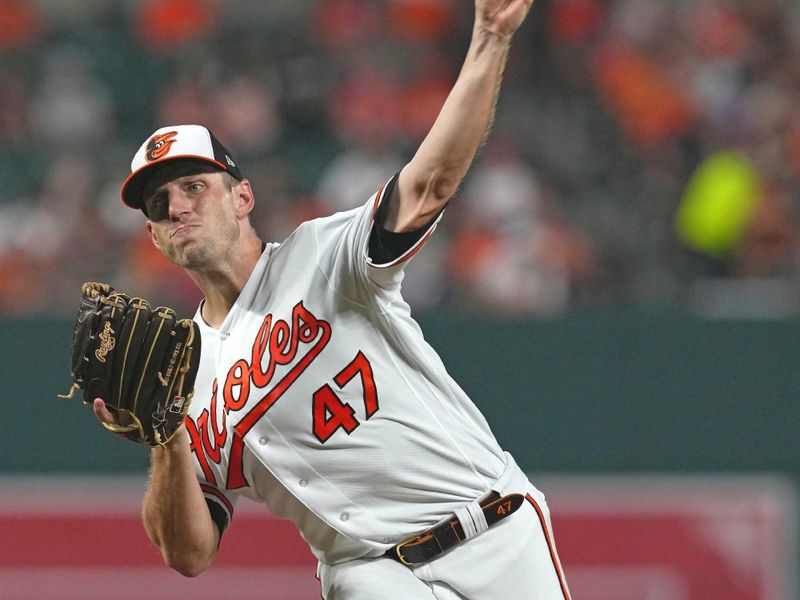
<point>319,396</point>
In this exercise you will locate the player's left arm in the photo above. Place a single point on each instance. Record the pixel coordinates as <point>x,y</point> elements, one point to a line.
<point>433,175</point>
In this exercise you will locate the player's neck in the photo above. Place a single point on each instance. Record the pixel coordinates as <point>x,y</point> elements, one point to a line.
<point>222,286</point>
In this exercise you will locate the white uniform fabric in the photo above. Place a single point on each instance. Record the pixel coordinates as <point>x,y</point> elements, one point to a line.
<point>514,559</point>
<point>319,397</point>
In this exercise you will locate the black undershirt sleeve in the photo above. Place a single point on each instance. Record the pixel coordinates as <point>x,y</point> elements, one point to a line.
<point>218,515</point>
<point>386,246</point>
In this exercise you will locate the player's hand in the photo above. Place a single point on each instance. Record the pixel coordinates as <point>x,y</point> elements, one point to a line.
<point>501,17</point>
<point>103,414</point>
<point>108,417</point>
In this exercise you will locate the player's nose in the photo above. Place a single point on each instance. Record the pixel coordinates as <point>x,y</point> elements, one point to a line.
<point>178,203</point>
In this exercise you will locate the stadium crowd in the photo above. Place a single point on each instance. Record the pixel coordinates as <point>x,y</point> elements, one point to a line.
<point>645,153</point>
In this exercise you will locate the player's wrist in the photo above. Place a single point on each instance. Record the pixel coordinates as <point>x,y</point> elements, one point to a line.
<point>488,44</point>
<point>177,443</point>
<point>492,34</point>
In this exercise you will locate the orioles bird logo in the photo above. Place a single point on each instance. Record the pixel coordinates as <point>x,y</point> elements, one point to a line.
<point>159,145</point>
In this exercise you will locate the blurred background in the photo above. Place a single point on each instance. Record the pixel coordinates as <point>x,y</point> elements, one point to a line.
<point>615,284</point>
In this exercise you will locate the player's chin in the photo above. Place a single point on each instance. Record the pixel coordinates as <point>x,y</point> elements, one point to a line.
<point>193,256</point>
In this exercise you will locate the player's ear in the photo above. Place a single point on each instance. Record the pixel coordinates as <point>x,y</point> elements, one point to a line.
<point>243,198</point>
<point>152,233</point>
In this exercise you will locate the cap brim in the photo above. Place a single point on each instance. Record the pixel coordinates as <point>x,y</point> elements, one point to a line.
<point>133,186</point>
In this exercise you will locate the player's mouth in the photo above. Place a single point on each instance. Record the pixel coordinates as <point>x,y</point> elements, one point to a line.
<point>182,229</point>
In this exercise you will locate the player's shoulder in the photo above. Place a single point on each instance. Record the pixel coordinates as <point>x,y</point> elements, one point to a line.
<point>320,227</point>
<point>335,219</point>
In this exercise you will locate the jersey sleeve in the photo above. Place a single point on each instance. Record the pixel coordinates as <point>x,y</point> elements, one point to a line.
<point>353,246</point>
<point>385,247</point>
<point>220,506</point>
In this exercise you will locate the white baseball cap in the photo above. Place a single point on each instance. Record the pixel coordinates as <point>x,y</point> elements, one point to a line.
<point>170,143</point>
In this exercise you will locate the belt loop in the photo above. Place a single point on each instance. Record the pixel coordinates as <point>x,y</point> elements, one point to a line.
<point>476,511</point>
<point>472,519</point>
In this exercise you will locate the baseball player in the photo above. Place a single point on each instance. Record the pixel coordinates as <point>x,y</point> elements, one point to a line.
<point>317,394</point>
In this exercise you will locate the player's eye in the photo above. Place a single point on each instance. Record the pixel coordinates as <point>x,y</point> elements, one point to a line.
<point>157,208</point>
<point>196,187</point>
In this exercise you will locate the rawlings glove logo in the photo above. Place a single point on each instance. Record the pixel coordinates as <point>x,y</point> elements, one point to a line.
<point>107,342</point>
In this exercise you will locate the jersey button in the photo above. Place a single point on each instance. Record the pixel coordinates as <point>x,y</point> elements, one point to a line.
<point>344,517</point>
<point>303,482</point>
<point>263,440</point>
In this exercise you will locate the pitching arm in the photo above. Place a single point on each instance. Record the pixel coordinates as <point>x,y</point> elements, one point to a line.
<point>436,170</point>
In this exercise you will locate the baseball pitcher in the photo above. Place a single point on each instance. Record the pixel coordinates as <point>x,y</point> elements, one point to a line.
<point>304,384</point>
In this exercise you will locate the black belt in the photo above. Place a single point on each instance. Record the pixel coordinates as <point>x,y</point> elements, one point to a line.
<point>433,542</point>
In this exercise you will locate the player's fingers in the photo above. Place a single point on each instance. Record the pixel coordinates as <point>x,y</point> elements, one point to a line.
<point>102,413</point>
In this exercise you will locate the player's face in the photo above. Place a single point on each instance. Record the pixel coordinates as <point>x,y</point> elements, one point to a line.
<point>193,218</point>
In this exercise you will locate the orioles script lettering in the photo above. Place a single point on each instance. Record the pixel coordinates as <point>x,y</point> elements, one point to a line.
<point>276,343</point>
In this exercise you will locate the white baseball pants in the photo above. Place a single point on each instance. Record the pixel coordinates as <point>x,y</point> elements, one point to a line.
<point>514,559</point>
